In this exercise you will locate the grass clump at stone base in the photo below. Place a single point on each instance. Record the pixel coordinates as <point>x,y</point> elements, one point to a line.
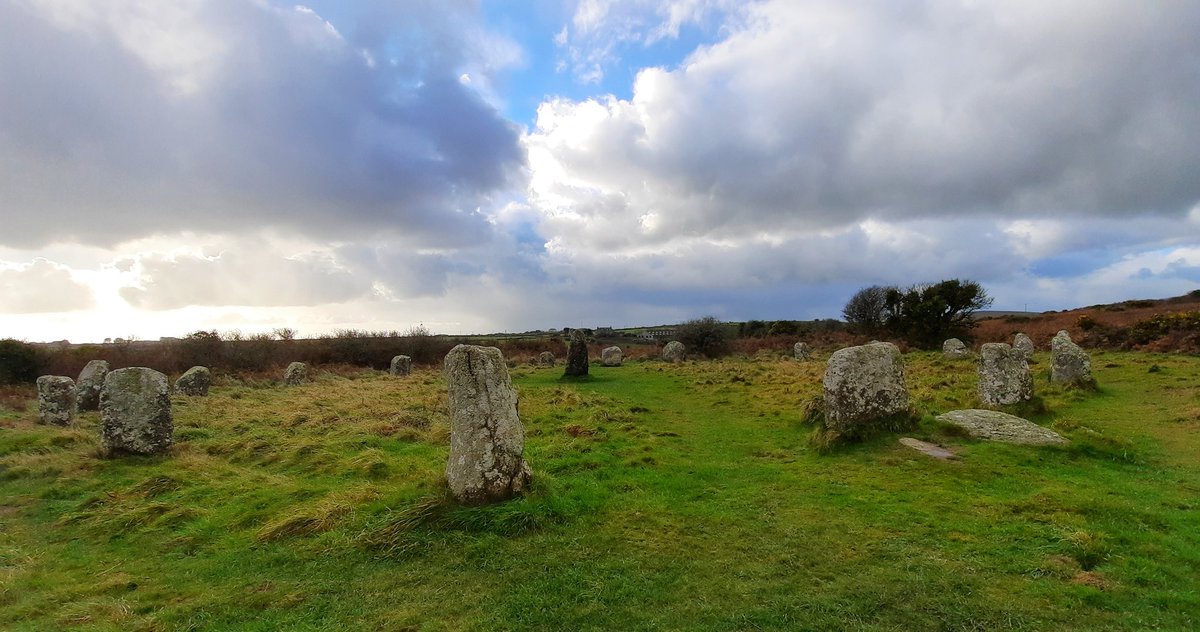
<point>664,497</point>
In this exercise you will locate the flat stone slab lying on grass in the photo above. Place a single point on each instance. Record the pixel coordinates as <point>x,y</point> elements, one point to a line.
<point>994,425</point>
<point>935,451</point>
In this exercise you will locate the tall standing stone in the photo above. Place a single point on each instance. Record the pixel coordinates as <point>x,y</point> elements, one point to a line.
<point>577,355</point>
<point>1070,363</point>
<point>801,351</point>
<point>954,349</point>
<point>1024,344</point>
<point>1004,376</point>
<point>194,382</point>
<point>864,384</point>
<point>91,380</point>
<point>56,400</point>
<point>487,440</point>
<point>401,365</point>
<point>612,356</point>
<point>545,358</point>
<point>135,412</point>
<point>296,373</point>
<point>674,351</point>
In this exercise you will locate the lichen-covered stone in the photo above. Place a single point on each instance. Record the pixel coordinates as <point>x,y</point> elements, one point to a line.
<point>994,425</point>
<point>801,352</point>
<point>135,412</point>
<point>612,356</point>
<point>296,373</point>
<point>674,351</point>
<point>194,382</point>
<point>1024,344</point>
<point>545,358</point>
<point>864,384</point>
<point>577,355</point>
<point>401,365</point>
<point>487,440</point>
<point>1004,376</point>
<point>954,349</point>
<point>56,400</point>
<point>1070,364</point>
<point>91,380</point>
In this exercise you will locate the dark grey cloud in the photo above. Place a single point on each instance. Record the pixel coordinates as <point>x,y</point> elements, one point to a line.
<point>125,119</point>
<point>41,287</point>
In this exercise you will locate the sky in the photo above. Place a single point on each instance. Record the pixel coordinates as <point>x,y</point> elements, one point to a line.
<point>477,166</point>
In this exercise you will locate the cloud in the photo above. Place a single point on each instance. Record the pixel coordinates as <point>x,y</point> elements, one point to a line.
<point>41,287</point>
<point>819,114</point>
<point>134,117</point>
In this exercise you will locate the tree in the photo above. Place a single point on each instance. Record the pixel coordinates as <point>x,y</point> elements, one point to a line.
<point>707,336</point>
<point>866,311</point>
<point>18,362</point>
<point>927,314</point>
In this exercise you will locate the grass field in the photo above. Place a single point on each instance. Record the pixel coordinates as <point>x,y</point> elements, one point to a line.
<point>666,498</point>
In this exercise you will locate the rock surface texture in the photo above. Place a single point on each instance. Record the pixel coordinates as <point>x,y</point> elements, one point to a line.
<point>577,355</point>
<point>1004,376</point>
<point>487,440</point>
<point>929,449</point>
<point>674,351</point>
<point>91,380</point>
<point>863,384</point>
<point>195,382</point>
<point>545,358</point>
<point>56,400</point>
<point>1024,344</point>
<point>401,365</point>
<point>954,349</point>
<point>135,412</point>
<point>801,352</point>
<point>994,425</point>
<point>611,356</point>
<point>1071,365</point>
<point>296,373</point>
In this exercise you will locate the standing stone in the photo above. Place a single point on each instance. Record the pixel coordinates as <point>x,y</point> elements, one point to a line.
<point>1070,363</point>
<point>296,373</point>
<point>487,440</point>
<point>801,351</point>
<point>135,412</point>
<point>545,358</point>
<point>91,380</point>
<point>56,400</point>
<point>611,356</point>
<point>864,384</point>
<point>577,355</point>
<point>401,365</point>
<point>674,351</point>
<point>1004,376</point>
<point>1024,344</point>
<point>954,349</point>
<point>194,382</point>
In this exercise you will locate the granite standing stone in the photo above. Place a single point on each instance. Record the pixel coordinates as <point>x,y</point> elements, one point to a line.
<point>1024,344</point>
<point>195,382</point>
<point>674,351</point>
<point>296,373</point>
<point>1071,365</point>
<point>1004,376</point>
<point>864,384</point>
<point>487,440</point>
<point>91,380</point>
<point>994,425</point>
<point>577,355</point>
<point>56,400</point>
<point>611,356</point>
<point>801,352</point>
<point>954,349</point>
<point>135,412</point>
<point>545,358</point>
<point>401,365</point>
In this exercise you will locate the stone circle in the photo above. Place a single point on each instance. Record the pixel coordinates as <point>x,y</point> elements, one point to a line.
<point>296,373</point>
<point>577,355</point>
<point>1070,364</point>
<point>194,382</point>
<point>801,352</point>
<point>57,398</point>
<point>401,366</point>
<point>611,356</point>
<point>1004,376</point>
<point>674,351</point>
<point>91,380</point>
<point>864,384</point>
<point>545,358</point>
<point>135,412</point>
<point>1024,344</point>
<point>954,349</point>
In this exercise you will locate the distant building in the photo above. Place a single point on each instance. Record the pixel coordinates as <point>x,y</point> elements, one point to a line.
<point>604,331</point>
<point>657,333</point>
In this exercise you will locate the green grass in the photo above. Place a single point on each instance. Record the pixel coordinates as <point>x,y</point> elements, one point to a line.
<point>665,497</point>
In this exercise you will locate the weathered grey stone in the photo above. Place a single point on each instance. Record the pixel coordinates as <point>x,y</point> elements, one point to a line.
<point>401,365</point>
<point>577,355</point>
<point>1070,363</point>
<point>928,449</point>
<point>1004,376</point>
<point>612,356</point>
<point>954,349</point>
<point>91,380</point>
<point>864,384</point>
<point>487,440</point>
<point>801,351</point>
<point>1024,344</point>
<point>674,351</point>
<point>994,425</point>
<point>56,400</point>
<point>545,358</point>
<point>135,412</point>
<point>296,373</point>
<point>195,382</point>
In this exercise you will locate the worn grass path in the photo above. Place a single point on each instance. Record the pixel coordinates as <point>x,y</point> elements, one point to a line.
<point>666,498</point>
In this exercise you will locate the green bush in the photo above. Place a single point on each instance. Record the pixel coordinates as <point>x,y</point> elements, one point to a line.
<point>18,362</point>
<point>1159,325</point>
<point>706,336</point>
